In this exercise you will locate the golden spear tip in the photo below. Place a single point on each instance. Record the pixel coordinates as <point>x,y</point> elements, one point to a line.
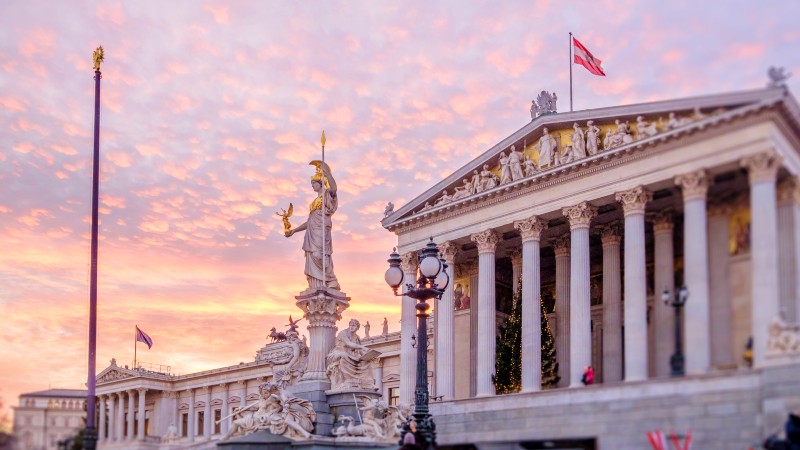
<point>322,139</point>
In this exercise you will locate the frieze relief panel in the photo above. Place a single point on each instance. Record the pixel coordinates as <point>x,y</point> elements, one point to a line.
<point>557,147</point>
<point>113,375</point>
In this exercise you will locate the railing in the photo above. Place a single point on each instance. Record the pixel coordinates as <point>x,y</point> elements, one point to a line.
<point>162,369</point>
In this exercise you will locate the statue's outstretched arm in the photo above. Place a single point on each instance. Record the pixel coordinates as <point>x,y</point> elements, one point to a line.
<point>301,227</point>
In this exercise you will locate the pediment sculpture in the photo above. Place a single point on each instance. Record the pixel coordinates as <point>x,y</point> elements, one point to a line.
<point>113,375</point>
<point>545,103</point>
<point>580,142</point>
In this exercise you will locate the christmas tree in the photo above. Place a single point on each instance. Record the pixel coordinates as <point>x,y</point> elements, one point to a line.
<point>550,377</point>
<point>508,359</point>
<point>508,356</point>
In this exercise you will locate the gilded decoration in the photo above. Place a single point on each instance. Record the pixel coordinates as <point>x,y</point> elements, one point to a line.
<point>551,148</point>
<point>739,226</point>
<point>461,294</point>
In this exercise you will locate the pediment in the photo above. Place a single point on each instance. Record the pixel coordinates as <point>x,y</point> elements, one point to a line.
<point>554,144</point>
<point>115,373</point>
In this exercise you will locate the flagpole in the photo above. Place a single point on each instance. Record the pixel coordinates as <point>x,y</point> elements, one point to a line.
<point>570,71</point>
<point>324,247</point>
<point>135,335</point>
<point>90,432</point>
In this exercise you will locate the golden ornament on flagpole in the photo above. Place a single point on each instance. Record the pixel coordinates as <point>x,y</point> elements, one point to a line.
<point>97,57</point>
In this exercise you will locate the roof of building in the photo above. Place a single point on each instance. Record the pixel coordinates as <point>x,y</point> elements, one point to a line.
<point>731,105</point>
<point>68,393</point>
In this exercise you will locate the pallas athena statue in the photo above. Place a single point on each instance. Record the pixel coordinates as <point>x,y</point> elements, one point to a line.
<point>317,226</point>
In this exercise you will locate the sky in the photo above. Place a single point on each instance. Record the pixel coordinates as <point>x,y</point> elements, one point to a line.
<point>211,111</point>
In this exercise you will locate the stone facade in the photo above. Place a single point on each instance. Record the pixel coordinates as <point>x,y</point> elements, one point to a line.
<point>43,419</point>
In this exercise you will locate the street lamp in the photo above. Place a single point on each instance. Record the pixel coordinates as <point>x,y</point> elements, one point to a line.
<point>432,282</point>
<point>676,361</point>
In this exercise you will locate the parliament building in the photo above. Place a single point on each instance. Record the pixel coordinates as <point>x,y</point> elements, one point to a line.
<point>609,218</point>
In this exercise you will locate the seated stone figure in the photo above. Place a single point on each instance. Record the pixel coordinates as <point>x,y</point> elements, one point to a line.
<point>346,367</point>
<point>281,414</point>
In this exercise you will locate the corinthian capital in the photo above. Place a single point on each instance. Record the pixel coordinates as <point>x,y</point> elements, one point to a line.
<point>580,215</point>
<point>610,234</point>
<point>789,190</point>
<point>662,221</point>
<point>530,229</point>
<point>449,250</point>
<point>634,200</point>
<point>486,241</point>
<point>693,184</point>
<point>762,166</point>
<point>409,262</point>
<point>561,244</point>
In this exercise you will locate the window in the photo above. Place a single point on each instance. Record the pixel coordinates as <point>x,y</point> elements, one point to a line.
<point>201,420</point>
<point>185,424</point>
<point>217,421</point>
<point>394,395</point>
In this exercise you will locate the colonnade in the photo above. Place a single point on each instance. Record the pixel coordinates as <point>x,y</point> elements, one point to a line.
<point>112,410</point>
<point>705,237</point>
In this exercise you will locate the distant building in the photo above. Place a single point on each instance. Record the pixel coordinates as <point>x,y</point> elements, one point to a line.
<point>45,417</point>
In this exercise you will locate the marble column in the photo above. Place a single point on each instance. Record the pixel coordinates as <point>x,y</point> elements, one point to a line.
<point>120,419</point>
<point>530,231</point>
<point>445,352</point>
<point>223,427</point>
<point>140,430</point>
<point>633,203</point>
<point>378,374</point>
<point>612,303</point>
<point>561,248</point>
<point>192,419</point>
<point>487,243</point>
<point>722,354</point>
<point>207,418</point>
<point>788,214</point>
<point>131,415</point>
<point>664,274</point>
<point>408,316</point>
<point>696,323</point>
<point>762,170</point>
<point>111,420</point>
<point>580,320</point>
<point>101,427</point>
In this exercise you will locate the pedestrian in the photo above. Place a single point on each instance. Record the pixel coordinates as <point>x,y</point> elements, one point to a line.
<point>588,376</point>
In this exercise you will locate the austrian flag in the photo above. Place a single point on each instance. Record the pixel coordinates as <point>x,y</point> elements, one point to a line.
<point>585,58</point>
<point>141,336</point>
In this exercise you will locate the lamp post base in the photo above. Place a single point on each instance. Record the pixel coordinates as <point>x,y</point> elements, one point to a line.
<point>676,365</point>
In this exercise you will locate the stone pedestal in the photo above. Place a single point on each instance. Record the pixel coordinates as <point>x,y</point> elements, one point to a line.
<point>322,308</point>
<point>345,403</point>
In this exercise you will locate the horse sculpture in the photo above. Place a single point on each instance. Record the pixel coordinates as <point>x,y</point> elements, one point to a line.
<point>277,336</point>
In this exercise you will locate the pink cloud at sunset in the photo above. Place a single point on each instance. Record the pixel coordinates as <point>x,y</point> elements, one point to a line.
<point>211,112</point>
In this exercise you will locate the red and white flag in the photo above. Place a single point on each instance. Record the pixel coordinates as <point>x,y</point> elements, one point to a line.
<point>585,58</point>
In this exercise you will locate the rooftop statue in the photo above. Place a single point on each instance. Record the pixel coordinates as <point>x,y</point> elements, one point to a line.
<point>312,242</point>
<point>545,103</point>
<point>777,77</point>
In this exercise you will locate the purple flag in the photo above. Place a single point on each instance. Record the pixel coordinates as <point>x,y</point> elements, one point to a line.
<point>141,336</point>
